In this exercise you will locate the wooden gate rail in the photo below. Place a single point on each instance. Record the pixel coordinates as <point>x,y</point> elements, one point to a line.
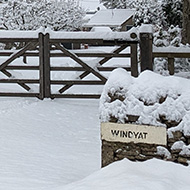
<point>20,94</point>
<point>82,69</point>
<point>60,54</point>
<point>19,81</point>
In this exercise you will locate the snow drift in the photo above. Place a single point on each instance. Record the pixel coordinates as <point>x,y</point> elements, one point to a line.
<point>153,174</point>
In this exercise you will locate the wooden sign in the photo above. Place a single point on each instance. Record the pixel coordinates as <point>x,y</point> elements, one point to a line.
<point>126,133</point>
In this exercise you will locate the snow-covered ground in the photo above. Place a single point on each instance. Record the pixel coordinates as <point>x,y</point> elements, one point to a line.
<point>54,144</point>
<point>47,144</point>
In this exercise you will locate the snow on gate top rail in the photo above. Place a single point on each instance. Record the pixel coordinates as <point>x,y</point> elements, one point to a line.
<point>110,36</point>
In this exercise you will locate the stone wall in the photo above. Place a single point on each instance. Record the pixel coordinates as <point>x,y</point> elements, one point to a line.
<point>113,151</point>
<point>151,100</point>
<point>176,150</point>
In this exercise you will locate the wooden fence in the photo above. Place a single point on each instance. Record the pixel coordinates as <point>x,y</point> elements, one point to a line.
<point>148,52</point>
<point>170,53</point>
<point>47,45</point>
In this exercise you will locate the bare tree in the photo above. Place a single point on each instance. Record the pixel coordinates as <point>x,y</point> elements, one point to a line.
<point>186,22</point>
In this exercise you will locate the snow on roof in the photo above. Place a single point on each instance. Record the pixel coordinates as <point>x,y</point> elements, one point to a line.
<point>101,29</point>
<point>150,96</point>
<point>87,17</point>
<point>110,17</point>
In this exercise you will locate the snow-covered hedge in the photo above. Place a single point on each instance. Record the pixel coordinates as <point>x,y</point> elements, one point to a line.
<point>30,15</point>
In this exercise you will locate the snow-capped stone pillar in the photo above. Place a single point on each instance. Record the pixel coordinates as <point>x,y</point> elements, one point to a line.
<point>146,38</point>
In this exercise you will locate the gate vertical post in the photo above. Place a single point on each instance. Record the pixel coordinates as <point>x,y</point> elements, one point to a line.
<point>47,86</point>
<point>134,61</point>
<point>41,66</point>
<point>146,40</point>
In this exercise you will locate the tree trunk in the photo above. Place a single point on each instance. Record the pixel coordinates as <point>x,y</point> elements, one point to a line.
<point>186,22</point>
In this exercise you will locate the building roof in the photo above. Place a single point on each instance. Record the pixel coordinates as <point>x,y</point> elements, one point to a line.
<point>91,5</point>
<point>110,17</point>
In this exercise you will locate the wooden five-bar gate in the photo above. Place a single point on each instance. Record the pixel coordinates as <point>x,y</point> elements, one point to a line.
<point>48,45</point>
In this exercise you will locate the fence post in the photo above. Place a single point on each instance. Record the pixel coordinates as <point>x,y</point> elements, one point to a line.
<point>146,38</point>
<point>171,65</point>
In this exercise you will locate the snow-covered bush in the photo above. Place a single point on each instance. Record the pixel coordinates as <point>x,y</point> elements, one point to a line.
<point>30,15</point>
<point>170,37</point>
<point>173,14</point>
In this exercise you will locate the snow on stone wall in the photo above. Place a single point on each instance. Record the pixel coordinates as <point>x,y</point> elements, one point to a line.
<point>151,99</point>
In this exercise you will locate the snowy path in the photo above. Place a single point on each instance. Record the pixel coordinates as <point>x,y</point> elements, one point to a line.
<point>46,144</point>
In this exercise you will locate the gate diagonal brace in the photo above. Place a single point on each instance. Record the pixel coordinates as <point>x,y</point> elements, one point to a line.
<point>118,50</point>
<point>28,46</point>
<point>86,73</point>
<point>23,85</point>
<point>82,63</point>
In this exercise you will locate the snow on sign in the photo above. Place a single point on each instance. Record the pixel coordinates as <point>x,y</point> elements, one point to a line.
<point>126,133</point>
